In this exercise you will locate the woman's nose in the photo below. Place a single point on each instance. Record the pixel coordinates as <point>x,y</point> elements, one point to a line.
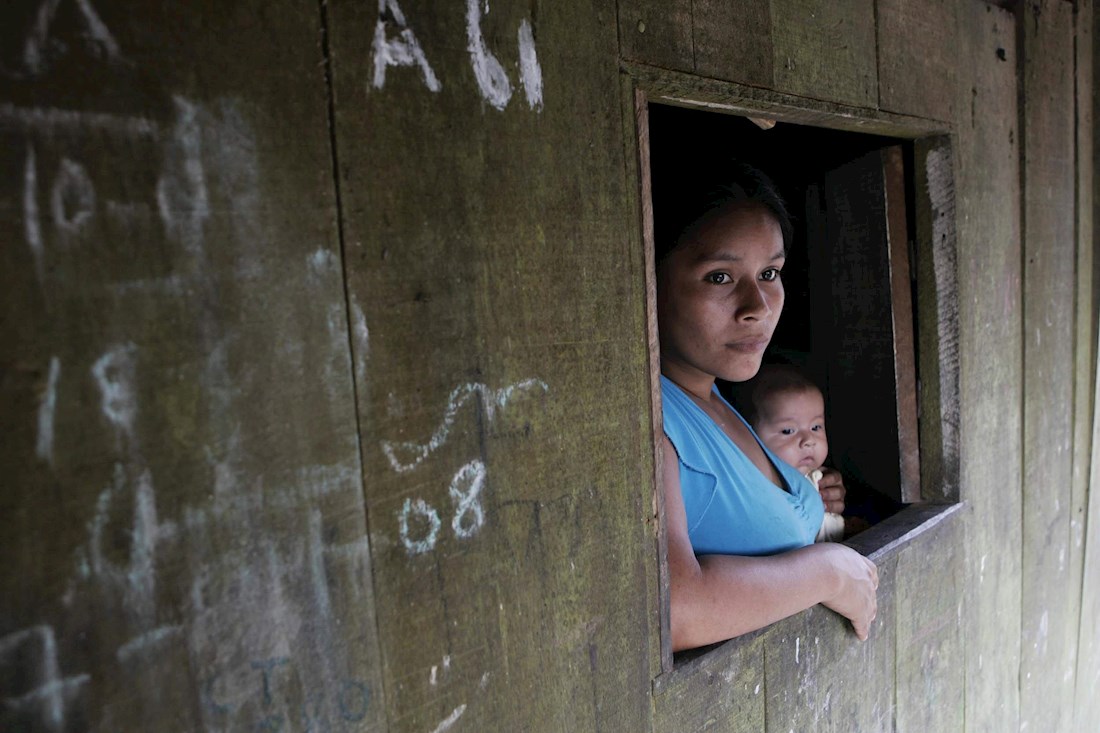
<point>751,301</point>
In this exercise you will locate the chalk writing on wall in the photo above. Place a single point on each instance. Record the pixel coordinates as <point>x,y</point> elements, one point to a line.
<point>395,45</point>
<point>41,50</point>
<point>31,654</point>
<point>418,521</point>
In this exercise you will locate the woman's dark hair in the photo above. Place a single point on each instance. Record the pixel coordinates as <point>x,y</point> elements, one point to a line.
<point>682,196</point>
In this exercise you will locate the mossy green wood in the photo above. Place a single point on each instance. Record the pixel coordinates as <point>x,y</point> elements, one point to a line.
<point>916,57</point>
<point>733,40</point>
<point>505,405</point>
<point>184,537</point>
<point>825,49</point>
<point>1048,137</point>
<point>657,32</point>
<point>929,657</point>
<point>990,380</point>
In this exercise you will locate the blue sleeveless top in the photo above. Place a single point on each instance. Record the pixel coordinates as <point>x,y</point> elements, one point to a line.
<point>733,508</point>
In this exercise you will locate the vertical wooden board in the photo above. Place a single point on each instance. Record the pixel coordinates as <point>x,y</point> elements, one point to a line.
<point>733,40</point>
<point>928,600</point>
<point>493,249</point>
<point>990,378</point>
<point>183,520</point>
<point>721,690</point>
<point>1084,339</point>
<point>1087,703</point>
<point>937,302</point>
<point>1048,141</point>
<point>1087,461</point>
<point>859,347</point>
<point>657,32</point>
<point>820,677</point>
<point>916,57</point>
<point>825,49</point>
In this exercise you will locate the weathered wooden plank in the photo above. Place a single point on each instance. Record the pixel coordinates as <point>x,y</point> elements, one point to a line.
<point>722,689</point>
<point>813,661</point>
<point>657,32</point>
<point>929,656</point>
<point>825,49</point>
<point>183,520</point>
<point>1087,460</point>
<point>494,248</point>
<point>1082,638</point>
<point>732,40</point>
<point>856,330</point>
<point>990,379</point>
<point>937,305</point>
<point>916,57</point>
<point>1048,138</point>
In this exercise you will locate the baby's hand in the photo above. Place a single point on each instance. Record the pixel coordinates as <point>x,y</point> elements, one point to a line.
<point>831,487</point>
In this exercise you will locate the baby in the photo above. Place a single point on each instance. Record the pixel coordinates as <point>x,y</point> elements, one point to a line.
<point>787,411</point>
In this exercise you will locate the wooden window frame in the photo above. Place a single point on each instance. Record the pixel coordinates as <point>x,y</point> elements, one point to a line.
<point>936,307</point>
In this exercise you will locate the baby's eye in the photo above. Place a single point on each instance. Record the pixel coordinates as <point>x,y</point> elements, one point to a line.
<point>787,431</point>
<point>718,278</point>
<point>815,428</point>
<point>770,275</point>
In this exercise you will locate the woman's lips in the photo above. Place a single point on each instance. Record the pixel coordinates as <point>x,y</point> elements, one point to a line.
<point>751,345</point>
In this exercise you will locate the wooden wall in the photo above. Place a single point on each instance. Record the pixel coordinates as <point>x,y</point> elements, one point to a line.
<point>326,387</point>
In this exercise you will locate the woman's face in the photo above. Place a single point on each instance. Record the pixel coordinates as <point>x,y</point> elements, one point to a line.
<point>719,295</point>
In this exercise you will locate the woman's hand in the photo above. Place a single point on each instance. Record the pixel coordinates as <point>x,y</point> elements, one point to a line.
<point>831,488</point>
<point>855,596</point>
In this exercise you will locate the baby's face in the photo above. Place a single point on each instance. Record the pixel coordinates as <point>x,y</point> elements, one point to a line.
<point>792,425</point>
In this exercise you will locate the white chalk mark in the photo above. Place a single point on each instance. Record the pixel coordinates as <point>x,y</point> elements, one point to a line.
<point>530,73</point>
<point>451,719</point>
<point>32,225</point>
<point>49,121</point>
<point>421,508</point>
<point>72,197</point>
<point>317,567</point>
<point>362,343</point>
<point>39,46</point>
<point>401,51</point>
<point>44,444</point>
<point>181,191</point>
<point>413,454</point>
<point>137,580</point>
<point>433,678</point>
<point>797,644</point>
<point>491,78</point>
<point>142,642</point>
<point>52,693</point>
<point>323,261</point>
<point>114,373</point>
<point>468,513</point>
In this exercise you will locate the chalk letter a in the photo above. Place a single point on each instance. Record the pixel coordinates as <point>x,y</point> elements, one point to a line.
<point>401,51</point>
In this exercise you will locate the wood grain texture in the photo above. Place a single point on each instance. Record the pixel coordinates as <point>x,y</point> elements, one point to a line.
<point>733,40</point>
<point>493,246</point>
<point>657,32</point>
<point>1048,137</point>
<point>916,57</point>
<point>990,380</point>
<point>937,305</point>
<point>1083,638</point>
<point>722,689</point>
<point>812,660</point>
<point>929,658</point>
<point>183,520</point>
<point>825,49</point>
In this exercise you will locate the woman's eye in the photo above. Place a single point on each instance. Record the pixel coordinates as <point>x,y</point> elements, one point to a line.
<point>769,275</point>
<point>718,278</point>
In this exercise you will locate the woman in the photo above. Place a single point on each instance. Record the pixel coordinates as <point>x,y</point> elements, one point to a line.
<point>740,522</point>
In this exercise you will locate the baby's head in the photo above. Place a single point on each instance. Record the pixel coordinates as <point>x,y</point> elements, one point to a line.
<point>787,411</point>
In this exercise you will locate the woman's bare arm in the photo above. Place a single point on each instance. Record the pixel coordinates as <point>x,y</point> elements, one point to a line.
<point>717,597</point>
